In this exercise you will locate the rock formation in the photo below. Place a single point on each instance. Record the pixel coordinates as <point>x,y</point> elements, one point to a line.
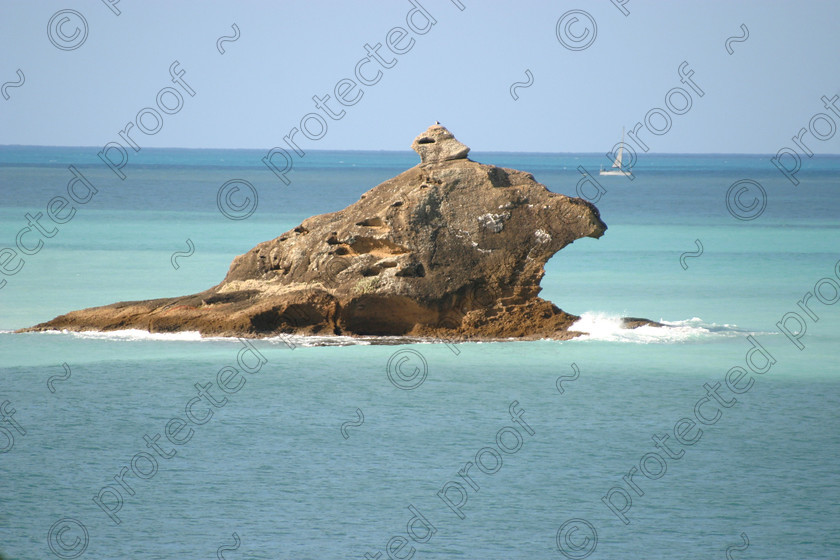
<point>450,248</point>
<point>438,144</point>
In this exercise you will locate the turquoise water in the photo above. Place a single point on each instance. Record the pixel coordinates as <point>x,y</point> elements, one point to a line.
<point>272,464</point>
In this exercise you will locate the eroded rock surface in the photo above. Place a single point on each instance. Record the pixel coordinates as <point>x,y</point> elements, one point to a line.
<point>449,248</point>
<point>438,144</point>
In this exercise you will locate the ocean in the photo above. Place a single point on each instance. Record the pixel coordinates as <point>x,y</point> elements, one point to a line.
<point>716,437</point>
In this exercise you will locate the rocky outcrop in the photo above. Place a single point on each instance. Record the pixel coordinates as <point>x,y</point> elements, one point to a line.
<point>450,248</point>
<point>438,144</point>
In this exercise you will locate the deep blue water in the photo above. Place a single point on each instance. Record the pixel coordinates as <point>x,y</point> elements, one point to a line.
<point>272,464</point>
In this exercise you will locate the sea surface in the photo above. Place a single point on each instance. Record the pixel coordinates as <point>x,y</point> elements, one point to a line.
<point>340,448</point>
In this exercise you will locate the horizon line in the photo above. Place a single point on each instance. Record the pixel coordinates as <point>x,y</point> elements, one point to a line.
<point>409,151</point>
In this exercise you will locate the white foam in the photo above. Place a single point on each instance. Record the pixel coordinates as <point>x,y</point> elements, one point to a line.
<point>607,327</point>
<point>599,326</point>
<point>132,335</point>
<point>289,340</point>
<point>306,341</point>
<point>293,341</point>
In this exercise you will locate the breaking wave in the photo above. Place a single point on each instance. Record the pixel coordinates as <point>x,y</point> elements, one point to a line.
<point>598,326</point>
<point>607,327</point>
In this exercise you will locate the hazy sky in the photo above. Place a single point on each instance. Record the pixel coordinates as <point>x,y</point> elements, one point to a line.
<point>459,71</point>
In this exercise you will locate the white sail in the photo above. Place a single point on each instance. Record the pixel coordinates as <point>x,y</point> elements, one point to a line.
<point>619,157</point>
<point>618,164</point>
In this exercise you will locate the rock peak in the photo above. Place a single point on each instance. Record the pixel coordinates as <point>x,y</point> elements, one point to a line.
<point>438,144</point>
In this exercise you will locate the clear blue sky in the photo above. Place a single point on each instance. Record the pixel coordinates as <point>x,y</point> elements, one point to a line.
<point>459,72</point>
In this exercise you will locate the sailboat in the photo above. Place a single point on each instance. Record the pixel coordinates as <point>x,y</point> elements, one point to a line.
<point>617,166</point>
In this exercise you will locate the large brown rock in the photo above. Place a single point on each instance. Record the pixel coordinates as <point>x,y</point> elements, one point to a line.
<point>449,248</point>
